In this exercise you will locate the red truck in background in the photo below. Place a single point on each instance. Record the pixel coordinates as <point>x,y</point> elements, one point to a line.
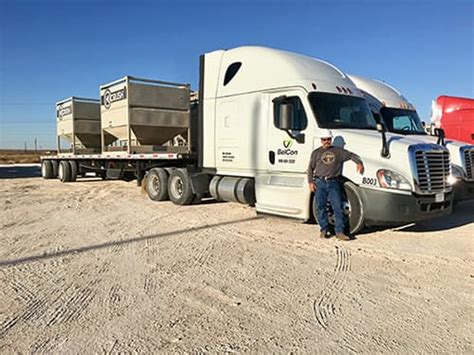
<point>455,115</point>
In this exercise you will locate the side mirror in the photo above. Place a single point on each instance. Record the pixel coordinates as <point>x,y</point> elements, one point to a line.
<point>377,117</point>
<point>385,150</point>
<point>439,132</point>
<point>286,115</point>
<point>423,123</point>
<point>300,138</point>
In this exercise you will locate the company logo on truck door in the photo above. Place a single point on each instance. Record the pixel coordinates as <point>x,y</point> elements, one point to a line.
<point>110,97</point>
<point>62,111</point>
<point>287,143</point>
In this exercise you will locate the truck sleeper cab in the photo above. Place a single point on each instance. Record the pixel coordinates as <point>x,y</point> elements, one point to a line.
<point>455,115</point>
<point>400,116</point>
<point>243,95</point>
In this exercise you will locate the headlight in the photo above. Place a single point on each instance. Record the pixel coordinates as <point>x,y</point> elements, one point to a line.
<point>457,171</point>
<point>392,180</point>
<point>456,174</point>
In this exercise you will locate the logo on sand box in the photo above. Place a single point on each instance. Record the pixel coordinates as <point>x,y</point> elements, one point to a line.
<point>110,97</point>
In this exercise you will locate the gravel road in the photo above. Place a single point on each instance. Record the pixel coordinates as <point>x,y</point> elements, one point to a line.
<point>96,266</point>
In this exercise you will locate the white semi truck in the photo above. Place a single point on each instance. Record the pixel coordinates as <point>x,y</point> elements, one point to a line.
<point>251,131</point>
<point>400,116</point>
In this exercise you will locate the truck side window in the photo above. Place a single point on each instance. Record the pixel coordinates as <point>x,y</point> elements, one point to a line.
<point>231,71</point>
<point>301,121</point>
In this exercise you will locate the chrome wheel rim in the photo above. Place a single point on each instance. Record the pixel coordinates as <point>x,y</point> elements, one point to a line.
<point>177,186</point>
<point>346,207</point>
<point>155,184</point>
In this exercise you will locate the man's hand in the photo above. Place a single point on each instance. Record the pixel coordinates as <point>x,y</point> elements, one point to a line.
<point>360,168</point>
<point>312,186</point>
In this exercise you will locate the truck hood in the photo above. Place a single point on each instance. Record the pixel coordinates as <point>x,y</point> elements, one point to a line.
<point>368,145</point>
<point>455,147</point>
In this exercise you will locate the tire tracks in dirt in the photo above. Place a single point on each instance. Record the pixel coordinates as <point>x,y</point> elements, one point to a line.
<point>326,306</point>
<point>71,301</point>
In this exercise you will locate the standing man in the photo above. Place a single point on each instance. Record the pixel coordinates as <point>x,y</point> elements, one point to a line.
<point>324,178</point>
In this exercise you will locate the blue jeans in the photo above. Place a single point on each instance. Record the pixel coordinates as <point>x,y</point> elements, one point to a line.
<point>329,190</point>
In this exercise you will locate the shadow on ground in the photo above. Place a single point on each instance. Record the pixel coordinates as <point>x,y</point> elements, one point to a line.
<point>463,213</point>
<point>75,251</point>
<point>16,171</point>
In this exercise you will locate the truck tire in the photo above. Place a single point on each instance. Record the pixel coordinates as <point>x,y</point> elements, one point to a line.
<point>64,171</point>
<point>179,187</point>
<point>352,208</point>
<point>73,166</point>
<point>46,169</point>
<point>157,184</point>
<point>54,164</point>
<point>355,210</point>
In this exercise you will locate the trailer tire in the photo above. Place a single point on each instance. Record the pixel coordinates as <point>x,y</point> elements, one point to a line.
<point>179,187</point>
<point>54,164</point>
<point>157,184</point>
<point>73,165</point>
<point>352,208</point>
<point>46,169</point>
<point>64,171</point>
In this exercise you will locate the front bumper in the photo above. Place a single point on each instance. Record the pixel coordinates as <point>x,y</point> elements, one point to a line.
<point>388,208</point>
<point>463,190</point>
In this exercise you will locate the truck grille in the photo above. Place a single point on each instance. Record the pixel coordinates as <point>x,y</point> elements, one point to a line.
<point>432,168</point>
<point>469,162</point>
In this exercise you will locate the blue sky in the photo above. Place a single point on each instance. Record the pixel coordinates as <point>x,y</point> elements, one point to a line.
<point>50,50</point>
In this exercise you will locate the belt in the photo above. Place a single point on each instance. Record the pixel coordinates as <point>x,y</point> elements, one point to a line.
<point>327,178</point>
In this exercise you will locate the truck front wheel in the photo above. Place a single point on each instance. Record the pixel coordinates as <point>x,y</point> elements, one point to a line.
<point>179,187</point>
<point>352,207</point>
<point>157,184</point>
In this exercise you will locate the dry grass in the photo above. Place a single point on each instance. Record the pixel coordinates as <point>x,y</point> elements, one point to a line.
<point>18,156</point>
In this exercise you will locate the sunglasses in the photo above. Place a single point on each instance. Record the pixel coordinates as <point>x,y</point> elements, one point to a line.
<point>326,139</point>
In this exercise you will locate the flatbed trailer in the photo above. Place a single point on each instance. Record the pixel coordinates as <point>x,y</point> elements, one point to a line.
<point>112,166</point>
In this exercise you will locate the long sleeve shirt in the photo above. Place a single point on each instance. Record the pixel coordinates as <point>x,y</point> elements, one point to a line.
<point>327,162</point>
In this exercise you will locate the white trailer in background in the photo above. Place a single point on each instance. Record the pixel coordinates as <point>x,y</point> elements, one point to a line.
<point>259,115</point>
<point>400,116</point>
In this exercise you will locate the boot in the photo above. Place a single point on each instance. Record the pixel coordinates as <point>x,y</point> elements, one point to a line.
<point>342,236</point>
<point>324,234</point>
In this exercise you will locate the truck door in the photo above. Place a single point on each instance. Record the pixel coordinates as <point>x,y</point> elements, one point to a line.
<point>285,154</point>
<point>282,189</point>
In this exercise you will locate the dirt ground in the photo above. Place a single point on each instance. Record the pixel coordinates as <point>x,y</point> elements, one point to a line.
<point>96,266</point>
<point>14,156</point>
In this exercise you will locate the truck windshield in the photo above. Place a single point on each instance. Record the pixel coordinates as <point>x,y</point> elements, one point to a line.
<point>341,111</point>
<point>402,121</point>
